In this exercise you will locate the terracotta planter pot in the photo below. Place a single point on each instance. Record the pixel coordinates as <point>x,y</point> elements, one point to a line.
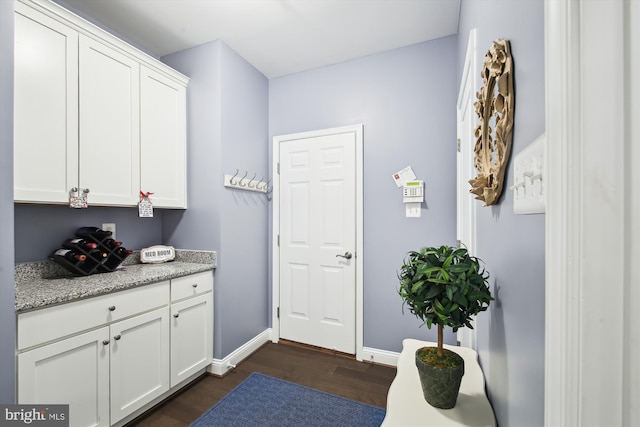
<point>440,385</point>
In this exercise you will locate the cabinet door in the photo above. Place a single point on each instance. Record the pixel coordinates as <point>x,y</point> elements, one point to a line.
<point>45,108</point>
<point>163,139</point>
<point>139,361</point>
<point>109,159</point>
<point>191,336</point>
<point>73,371</point>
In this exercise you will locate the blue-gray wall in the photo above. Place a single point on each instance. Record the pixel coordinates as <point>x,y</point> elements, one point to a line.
<point>40,229</point>
<point>406,100</point>
<point>511,339</point>
<point>198,227</point>
<point>7,316</point>
<point>244,216</point>
<point>228,128</point>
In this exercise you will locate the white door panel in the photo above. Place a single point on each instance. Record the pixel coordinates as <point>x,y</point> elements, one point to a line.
<point>318,223</point>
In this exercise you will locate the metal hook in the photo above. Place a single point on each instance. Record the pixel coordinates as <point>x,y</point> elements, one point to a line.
<point>254,176</point>
<point>231,179</point>
<point>266,187</point>
<point>242,179</point>
<point>258,184</point>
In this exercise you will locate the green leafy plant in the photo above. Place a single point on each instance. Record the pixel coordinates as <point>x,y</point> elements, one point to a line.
<point>444,286</point>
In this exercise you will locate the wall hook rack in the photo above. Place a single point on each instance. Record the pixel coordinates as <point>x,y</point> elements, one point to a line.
<point>248,184</point>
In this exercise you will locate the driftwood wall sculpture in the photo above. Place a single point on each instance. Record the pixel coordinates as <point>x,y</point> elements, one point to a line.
<point>495,109</point>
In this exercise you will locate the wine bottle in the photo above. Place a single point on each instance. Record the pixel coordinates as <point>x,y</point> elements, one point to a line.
<point>122,252</point>
<point>69,256</point>
<point>111,244</point>
<point>98,255</point>
<point>95,232</point>
<point>79,243</point>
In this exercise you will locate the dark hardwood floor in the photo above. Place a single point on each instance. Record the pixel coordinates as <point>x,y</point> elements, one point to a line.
<point>334,373</point>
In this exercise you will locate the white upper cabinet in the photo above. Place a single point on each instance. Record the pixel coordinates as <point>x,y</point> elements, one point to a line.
<point>93,113</point>
<point>45,108</point>
<point>163,139</point>
<point>109,124</point>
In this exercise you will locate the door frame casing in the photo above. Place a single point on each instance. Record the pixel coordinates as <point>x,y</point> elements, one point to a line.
<point>468,82</point>
<point>358,252</point>
<point>592,203</point>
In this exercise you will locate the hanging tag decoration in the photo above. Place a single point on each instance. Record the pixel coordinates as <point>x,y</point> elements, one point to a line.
<point>145,207</point>
<point>78,201</point>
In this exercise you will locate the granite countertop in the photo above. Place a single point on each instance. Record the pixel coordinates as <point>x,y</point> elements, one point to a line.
<point>43,283</point>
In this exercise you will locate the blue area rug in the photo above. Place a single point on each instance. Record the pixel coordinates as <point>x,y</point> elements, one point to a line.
<point>263,401</point>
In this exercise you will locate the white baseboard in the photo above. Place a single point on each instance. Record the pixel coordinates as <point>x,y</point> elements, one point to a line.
<point>382,357</point>
<point>222,367</point>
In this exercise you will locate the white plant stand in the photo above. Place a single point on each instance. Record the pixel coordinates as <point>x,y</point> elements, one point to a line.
<point>406,406</point>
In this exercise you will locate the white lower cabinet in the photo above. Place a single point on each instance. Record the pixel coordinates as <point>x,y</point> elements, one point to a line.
<point>110,359</point>
<point>191,325</point>
<point>191,337</point>
<point>139,349</point>
<point>73,371</point>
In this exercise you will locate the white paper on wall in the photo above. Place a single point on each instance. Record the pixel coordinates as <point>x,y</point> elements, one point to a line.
<point>403,176</point>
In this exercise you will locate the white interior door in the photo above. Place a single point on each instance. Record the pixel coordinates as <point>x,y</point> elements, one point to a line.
<point>318,208</point>
<point>466,210</point>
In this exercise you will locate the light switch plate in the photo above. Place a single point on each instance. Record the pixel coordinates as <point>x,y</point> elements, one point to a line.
<point>529,179</point>
<point>413,210</point>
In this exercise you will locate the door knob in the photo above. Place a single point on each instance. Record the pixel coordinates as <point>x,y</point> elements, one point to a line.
<point>346,255</point>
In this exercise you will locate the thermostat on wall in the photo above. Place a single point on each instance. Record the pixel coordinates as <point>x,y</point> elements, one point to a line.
<point>157,254</point>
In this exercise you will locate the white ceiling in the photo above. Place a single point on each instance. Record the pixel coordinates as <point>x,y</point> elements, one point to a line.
<point>278,37</point>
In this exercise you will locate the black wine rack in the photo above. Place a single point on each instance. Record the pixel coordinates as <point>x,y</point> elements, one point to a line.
<point>94,265</point>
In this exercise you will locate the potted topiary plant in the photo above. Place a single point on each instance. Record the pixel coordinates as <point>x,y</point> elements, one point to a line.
<point>443,286</point>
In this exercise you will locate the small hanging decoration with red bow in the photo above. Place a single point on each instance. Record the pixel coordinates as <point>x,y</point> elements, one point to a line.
<point>77,200</point>
<point>145,208</point>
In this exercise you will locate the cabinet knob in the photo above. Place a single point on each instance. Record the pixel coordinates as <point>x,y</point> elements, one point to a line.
<point>105,342</point>
<point>195,285</point>
<point>112,308</point>
<point>117,337</point>
<point>74,190</point>
<point>176,315</point>
<point>85,190</point>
